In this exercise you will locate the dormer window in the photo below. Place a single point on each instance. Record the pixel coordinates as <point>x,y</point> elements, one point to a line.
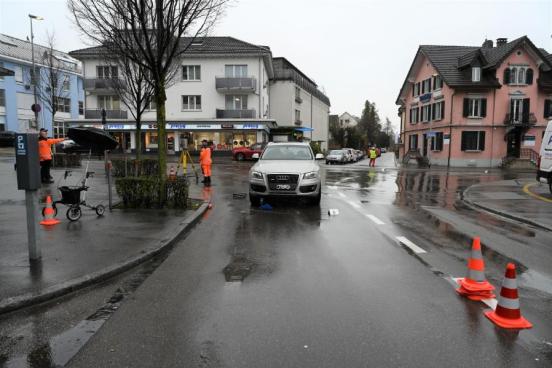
<point>476,74</point>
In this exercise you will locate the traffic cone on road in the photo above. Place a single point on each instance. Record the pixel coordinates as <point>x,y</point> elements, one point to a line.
<point>49,214</point>
<point>507,313</point>
<point>475,286</point>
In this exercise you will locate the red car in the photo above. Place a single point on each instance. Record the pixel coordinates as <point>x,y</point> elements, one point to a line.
<point>245,153</point>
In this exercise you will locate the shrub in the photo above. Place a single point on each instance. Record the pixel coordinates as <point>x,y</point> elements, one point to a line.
<point>143,192</point>
<point>136,168</point>
<point>66,160</point>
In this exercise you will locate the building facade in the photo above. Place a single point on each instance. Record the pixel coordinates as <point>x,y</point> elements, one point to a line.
<point>476,106</point>
<point>297,103</point>
<point>17,92</point>
<point>347,120</point>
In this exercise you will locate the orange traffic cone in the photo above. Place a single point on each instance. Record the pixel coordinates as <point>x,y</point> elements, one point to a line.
<point>507,313</point>
<point>49,214</point>
<point>475,286</point>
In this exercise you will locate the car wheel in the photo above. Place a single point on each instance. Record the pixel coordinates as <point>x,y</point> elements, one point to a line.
<point>550,185</point>
<point>240,157</point>
<point>254,200</point>
<point>315,201</point>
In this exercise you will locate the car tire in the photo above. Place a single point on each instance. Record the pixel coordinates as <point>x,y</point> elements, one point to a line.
<point>315,201</point>
<point>254,200</point>
<point>240,157</point>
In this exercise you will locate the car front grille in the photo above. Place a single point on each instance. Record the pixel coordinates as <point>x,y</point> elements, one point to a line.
<point>277,181</point>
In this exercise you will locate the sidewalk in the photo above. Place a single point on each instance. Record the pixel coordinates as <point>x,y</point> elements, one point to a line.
<point>76,254</point>
<point>522,200</point>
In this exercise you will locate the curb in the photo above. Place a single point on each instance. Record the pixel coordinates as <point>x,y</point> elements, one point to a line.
<point>26,300</point>
<point>494,211</point>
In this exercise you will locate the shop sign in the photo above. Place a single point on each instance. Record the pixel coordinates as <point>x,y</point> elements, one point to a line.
<point>176,126</point>
<point>446,138</point>
<point>250,126</point>
<point>529,140</point>
<point>227,126</point>
<point>115,126</point>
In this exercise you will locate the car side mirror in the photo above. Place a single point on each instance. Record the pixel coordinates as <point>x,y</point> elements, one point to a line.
<point>255,156</point>
<point>319,156</point>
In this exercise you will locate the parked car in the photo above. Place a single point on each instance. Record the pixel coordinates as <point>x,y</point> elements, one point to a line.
<point>359,154</point>
<point>383,150</point>
<point>7,138</point>
<point>336,157</point>
<point>544,164</point>
<point>350,153</point>
<point>285,170</point>
<point>246,153</point>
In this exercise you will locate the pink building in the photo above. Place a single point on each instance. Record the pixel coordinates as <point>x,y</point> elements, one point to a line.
<point>476,106</point>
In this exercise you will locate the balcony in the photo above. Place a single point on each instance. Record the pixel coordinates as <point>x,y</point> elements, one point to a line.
<point>526,119</point>
<point>236,84</point>
<point>94,84</point>
<point>235,114</point>
<point>298,122</point>
<point>298,99</point>
<point>109,114</point>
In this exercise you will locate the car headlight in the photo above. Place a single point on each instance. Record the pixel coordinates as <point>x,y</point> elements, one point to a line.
<point>256,175</point>
<point>311,175</point>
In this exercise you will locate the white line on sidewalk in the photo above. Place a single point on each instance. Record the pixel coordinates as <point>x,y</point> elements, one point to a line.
<point>416,249</point>
<point>376,220</point>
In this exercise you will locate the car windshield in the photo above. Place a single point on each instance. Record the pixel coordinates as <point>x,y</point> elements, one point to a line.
<point>287,153</point>
<point>336,152</point>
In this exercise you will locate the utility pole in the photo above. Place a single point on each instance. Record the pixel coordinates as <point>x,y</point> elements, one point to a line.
<point>35,107</point>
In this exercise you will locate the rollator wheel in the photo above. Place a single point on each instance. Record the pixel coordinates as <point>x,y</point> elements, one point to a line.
<point>74,213</point>
<point>100,210</point>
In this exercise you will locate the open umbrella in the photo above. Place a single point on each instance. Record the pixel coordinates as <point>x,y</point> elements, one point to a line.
<point>92,138</point>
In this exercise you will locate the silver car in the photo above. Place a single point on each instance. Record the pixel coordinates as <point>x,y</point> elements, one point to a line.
<point>285,170</point>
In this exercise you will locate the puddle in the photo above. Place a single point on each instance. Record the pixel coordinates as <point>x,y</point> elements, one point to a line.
<point>238,269</point>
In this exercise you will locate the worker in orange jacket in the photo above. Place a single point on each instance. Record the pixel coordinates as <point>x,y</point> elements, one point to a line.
<point>205,162</point>
<point>45,154</point>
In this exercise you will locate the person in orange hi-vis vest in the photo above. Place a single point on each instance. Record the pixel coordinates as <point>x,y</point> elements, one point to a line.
<point>45,154</point>
<point>205,162</point>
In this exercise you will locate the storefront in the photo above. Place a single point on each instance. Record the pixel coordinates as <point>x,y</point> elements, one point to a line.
<point>181,136</point>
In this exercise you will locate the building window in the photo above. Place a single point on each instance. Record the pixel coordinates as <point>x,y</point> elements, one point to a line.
<point>519,110</point>
<point>518,75</point>
<point>414,115</point>
<point>297,115</point>
<point>109,102</point>
<point>151,105</point>
<point>63,104</point>
<point>437,82</point>
<point>437,142</point>
<point>66,84</point>
<point>426,86</point>
<point>475,107</point>
<point>191,102</point>
<point>413,142</point>
<point>426,113</point>
<point>437,111</point>
<point>473,141</point>
<point>107,72</point>
<point>2,98</point>
<point>59,129</point>
<point>476,74</point>
<point>1,66</point>
<point>18,74</point>
<point>235,71</point>
<point>547,108</point>
<point>2,123</point>
<point>81,108</point>
<point>297,93</point>
<point>236,102</point>
<point>191,72</point>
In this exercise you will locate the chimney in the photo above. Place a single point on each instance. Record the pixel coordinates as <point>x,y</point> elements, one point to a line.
<point>488,44</point>
<point>501,41</point>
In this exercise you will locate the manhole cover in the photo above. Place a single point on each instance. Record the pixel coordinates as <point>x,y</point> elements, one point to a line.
<point>238,269</point>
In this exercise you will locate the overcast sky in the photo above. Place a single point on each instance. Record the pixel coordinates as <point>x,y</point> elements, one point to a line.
<point>354,49</point>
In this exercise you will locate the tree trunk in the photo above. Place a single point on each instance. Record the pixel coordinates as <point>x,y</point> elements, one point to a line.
<point>138,139</point>
<point>160,98</point>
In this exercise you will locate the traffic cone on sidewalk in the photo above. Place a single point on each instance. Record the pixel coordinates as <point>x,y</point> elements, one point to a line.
<point>507,313</point>
<point>475,286</point>
<point>49,214</point>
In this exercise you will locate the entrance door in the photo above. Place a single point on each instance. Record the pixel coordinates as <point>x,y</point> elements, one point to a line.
<point>425,145</point>
<point>514,143</point>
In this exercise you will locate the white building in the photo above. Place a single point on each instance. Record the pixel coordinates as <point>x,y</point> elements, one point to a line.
<point>297,103</point>
<point>347,120</point>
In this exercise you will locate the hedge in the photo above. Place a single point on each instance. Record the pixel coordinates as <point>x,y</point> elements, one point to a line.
<point>66,160</point>
<point>135,168</point>
<point>143,192</point>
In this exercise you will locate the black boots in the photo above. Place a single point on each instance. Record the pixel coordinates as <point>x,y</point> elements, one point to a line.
<point>207,181</point>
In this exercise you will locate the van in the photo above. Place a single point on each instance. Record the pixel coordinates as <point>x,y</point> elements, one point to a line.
<point>544,164</point>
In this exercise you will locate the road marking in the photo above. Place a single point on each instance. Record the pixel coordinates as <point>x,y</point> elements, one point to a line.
<point>527,191</point>
<point>332,187</point>
<point>341,195</point>
<point>489,302</point>
<point>416,249</point>
<point>375,219</point>
<point>354,204</point>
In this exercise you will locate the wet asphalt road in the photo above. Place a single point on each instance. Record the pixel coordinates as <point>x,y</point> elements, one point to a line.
<point>321,291</point>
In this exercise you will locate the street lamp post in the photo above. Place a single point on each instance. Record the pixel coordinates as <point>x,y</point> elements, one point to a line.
<point>33,73</point>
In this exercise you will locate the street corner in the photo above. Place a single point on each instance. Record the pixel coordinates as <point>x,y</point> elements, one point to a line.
<point>538,191</point>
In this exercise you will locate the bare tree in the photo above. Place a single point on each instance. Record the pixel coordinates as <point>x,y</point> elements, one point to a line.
<point>54,80</point>
<point>135,91</point>
<point>149,33</point>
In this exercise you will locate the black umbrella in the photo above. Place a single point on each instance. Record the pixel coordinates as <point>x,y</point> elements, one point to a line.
<point>92,138</point>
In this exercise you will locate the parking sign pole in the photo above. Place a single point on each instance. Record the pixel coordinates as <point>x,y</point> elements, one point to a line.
<point>31,200</point>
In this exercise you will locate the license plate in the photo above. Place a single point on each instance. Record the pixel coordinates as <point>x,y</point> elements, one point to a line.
<point>283,187</point>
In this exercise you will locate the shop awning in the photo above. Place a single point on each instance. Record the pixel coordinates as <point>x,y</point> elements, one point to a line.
<point>304,129</point>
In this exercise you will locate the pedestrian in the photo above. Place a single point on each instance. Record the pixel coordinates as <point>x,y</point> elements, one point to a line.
<point>205,162</point>
<point>373,155</point>
<point>45,154</point>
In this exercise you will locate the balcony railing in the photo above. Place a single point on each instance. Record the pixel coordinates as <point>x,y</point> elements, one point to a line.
<point>298,99</point>
<point>525,119</point>
<point>236,84</point>
<point>298,122</point>
<point>235,114</point>
<point>109,114</point>
<point>99,83</point>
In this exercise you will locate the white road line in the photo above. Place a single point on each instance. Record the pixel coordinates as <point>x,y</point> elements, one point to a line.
<point>354,204</point>
<point>416,249</point>
<point>376,220</point>
<point>341,195</point>
<point>491,303</point>
<point>332,187</point>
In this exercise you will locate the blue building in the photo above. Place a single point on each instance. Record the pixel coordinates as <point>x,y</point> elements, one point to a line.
<point>16,92</point>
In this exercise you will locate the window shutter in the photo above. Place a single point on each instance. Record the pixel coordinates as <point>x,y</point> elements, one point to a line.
<point>482,141</point>
<point>547,104</point>
<point>506,76</point>
<point>413,90</point>
<point>483,107</point>
<point>443,110</point>
<point>529,76</point>
<point>411,115</point>
<point>466,107</point>
<point>525,117</point>
<point>429,84</point>
<point>511,110</point>
<point>433,111</point>
<point>463,143</point>
<point>418,113</point>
